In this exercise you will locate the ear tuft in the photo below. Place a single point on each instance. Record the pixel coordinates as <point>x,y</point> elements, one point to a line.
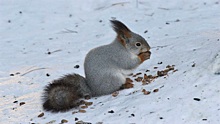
<point>119,27</point>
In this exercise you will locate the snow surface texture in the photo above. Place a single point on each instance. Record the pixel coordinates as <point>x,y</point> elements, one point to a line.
<point>42,40</point>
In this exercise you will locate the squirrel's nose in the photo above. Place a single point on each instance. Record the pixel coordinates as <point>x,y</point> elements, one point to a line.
<point>145,50</point>
<point>148,52</point>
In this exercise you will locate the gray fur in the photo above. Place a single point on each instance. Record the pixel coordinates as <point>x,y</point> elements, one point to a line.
<point>133,40</point>
<point>109,73</point>
<point>106,68</point>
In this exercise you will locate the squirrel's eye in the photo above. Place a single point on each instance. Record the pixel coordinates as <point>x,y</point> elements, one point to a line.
<point>138,44</point>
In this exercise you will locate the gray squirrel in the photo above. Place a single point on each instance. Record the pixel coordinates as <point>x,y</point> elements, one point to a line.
<point>106,68</point>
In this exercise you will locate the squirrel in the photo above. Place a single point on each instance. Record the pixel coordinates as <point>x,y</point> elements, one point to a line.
<point>106,68</point>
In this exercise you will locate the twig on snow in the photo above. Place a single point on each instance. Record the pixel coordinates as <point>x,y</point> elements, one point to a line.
<point>32,71</point>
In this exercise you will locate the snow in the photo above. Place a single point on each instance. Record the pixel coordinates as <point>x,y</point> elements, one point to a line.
<point>181,33</point>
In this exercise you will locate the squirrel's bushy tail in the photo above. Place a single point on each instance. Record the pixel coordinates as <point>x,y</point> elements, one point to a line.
<point>65,93</point>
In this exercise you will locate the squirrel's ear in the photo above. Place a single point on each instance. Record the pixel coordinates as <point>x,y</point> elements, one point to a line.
<point>123,31</point>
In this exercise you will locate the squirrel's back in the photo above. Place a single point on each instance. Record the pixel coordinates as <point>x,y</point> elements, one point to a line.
<point>106,67</point>
<point>101,74</point>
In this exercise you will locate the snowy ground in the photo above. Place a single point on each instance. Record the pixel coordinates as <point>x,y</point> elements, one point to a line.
<point>43,40</point>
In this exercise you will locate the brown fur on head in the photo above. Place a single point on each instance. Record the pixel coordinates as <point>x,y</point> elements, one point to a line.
<point>122,31</point>
<point>133,42</point>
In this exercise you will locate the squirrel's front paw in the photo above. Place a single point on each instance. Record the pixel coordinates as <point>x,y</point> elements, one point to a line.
<point>144,56</point>
<point>128,84</point>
